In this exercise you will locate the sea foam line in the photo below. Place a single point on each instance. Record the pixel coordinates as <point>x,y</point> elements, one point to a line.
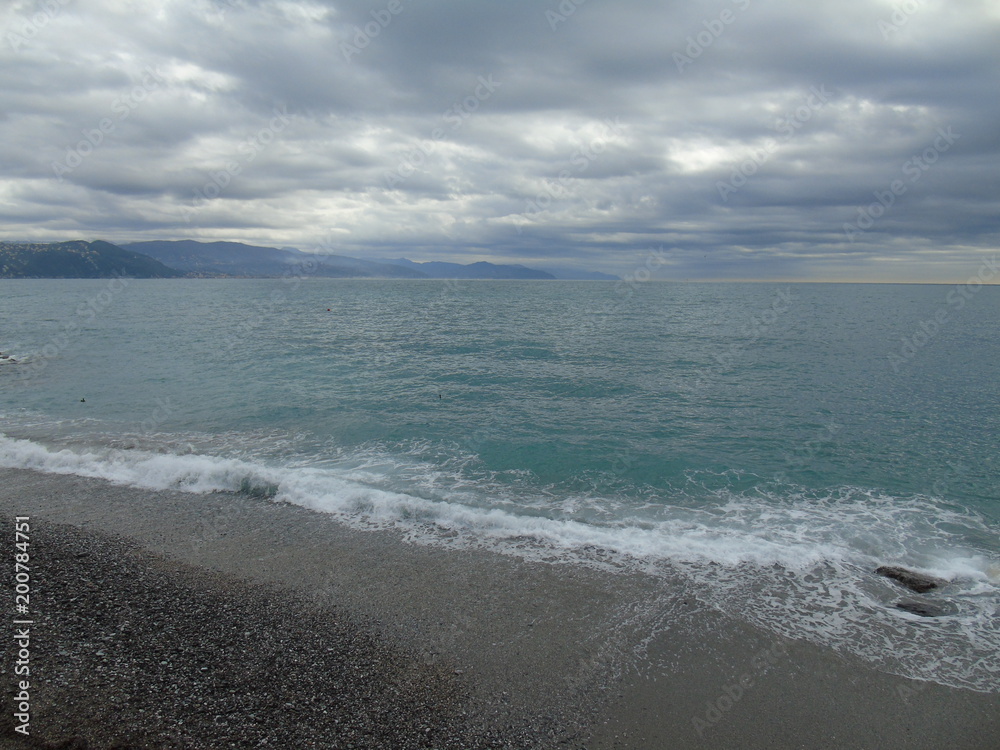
<point>737,530</point>
<point>357,504</point>
<point>802,580</point>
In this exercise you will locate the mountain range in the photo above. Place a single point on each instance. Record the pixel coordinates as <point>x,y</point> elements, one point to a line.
<point>189,258</point>
<point>77,260</point>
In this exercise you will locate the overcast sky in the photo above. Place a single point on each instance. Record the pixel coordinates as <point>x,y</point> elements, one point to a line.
<point>745,139</point>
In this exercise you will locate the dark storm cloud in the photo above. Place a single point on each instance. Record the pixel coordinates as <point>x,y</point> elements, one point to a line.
<point>734,138</point>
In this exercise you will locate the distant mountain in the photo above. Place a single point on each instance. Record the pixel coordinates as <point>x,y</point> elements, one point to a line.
<point>358,267</point>
<point>222,258</point>
<point>574,274</point>
<point>237,259</point>
<point>172,258</point>
<point>480,270</point>
<point>77,260</point>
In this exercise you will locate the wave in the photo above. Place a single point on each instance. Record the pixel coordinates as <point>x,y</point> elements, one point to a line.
<point>793,561</point>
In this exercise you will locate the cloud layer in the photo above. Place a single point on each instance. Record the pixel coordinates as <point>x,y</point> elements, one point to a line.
<point>735,138</point>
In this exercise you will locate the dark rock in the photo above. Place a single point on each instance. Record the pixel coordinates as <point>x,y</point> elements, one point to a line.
<point>924,608</point>
<point>914,581</point>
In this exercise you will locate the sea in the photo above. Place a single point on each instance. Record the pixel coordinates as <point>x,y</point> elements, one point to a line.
<point>772,443</point>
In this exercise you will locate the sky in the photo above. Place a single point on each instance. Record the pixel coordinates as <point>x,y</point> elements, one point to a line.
<point>856,140</point>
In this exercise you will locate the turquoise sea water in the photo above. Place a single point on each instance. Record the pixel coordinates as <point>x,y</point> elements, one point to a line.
<point>789,437</point>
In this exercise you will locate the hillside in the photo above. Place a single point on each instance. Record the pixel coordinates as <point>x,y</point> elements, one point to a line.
<point>237,259</point>
<point>77,260</point>
<point>173,258</point>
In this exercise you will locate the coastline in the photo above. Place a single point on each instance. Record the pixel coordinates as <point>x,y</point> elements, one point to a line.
<point>467,648</point>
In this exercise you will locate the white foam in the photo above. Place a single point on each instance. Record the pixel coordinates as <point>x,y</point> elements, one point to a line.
<point>797,533</point>
<point>798,564</point>
<point>136,468</point>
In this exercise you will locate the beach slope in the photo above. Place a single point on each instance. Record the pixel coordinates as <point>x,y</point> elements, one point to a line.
<point>174,620</point>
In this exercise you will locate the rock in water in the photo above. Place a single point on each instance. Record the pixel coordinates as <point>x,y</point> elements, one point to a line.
<point>914,581</point>
<point>924,609</point>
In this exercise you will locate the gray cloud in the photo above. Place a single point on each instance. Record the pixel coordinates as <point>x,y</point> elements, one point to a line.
<point>580,132</point>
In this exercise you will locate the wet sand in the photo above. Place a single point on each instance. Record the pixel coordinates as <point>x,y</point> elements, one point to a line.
<point>165,619</point>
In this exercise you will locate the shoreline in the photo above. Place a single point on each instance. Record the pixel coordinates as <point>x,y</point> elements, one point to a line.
<point>525,654</point>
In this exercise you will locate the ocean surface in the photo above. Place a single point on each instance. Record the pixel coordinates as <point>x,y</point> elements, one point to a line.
<point>773,444</point>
